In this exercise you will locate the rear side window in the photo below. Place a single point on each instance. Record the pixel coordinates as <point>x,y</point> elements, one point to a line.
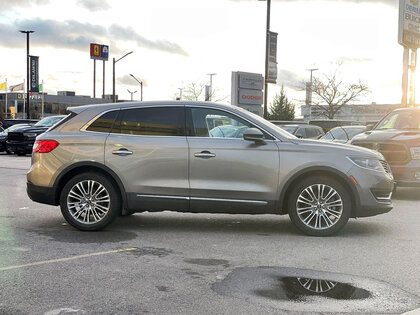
<point>153,121</point>
<point>312,132</point>
<point>104,122</point>
<point>301,133</point>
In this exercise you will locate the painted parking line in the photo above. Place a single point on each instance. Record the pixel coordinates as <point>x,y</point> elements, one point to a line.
<point>52,261</point>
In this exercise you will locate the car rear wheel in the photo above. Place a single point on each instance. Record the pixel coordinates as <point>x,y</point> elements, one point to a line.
<point>89,202</point>
<point>319,206</point>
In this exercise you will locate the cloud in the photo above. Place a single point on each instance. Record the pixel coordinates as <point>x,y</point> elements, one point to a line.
<point>289,79</point>
<point>94,5</point>
<point>393,3</point>
<point>9,5</point>
<point>128,80</point>
<point>77,36</point>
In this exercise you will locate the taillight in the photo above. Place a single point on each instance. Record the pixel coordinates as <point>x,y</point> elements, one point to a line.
<point>44,146</point>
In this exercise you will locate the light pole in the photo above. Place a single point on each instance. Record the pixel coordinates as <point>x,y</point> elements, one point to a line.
<point>113,75</point>
<point>267,32</point>
<point>309,98</point>
<point>141,86</point>
<point>180,93</point>
<point>211,84</point>
<point>131,93</point>
<point>27,70</point>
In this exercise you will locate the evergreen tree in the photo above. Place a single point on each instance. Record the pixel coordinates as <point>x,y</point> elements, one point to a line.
<point>281,108</point>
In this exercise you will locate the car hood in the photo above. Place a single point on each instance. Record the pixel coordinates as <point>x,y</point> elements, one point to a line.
<point>31,129</point>
<point>411,137</point>
<point>346,149</point>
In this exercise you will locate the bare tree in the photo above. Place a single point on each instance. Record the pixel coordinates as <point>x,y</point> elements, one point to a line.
<point>331,94</point>
<point>196,92</point>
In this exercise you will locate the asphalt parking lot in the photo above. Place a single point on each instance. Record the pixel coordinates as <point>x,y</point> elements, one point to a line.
<point>172,263</point>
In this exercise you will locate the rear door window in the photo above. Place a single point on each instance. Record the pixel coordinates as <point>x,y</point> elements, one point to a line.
<point>151,121</point>
<point>104,123</point>
<point>301,133</point>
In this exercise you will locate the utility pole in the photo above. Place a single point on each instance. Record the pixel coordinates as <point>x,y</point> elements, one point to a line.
<point>211,85</point>
<point>267,44</point>
<point>27,71</point>
<point>309,92</point>
<point>180,93</point>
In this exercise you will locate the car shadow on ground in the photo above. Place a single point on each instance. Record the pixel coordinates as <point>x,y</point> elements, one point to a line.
<point>407,193</point>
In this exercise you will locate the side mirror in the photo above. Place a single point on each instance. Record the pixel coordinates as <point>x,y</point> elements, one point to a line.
<point>369,127</point>
<point>253,134</point>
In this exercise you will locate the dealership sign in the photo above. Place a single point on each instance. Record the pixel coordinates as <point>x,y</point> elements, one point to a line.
<point>409,23</point>
<point>247,91</point>
<point>99,52</point>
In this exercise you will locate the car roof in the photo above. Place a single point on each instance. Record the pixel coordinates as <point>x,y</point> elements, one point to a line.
<point>108,106</point>
<point>403,109</point>
<point>350,127</point>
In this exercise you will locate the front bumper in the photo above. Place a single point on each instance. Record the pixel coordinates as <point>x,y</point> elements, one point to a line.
<point>20,147</point>
<point>405,175</point>
<point>41,194</point>
<point>373,190</point>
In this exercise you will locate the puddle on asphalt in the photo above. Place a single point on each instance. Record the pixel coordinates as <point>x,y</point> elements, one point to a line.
<point>297,289</point>
<point>303,290</point>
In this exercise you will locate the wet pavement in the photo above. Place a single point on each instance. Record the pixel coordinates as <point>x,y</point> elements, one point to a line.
<point>303,290</point>
<point>172,263</point>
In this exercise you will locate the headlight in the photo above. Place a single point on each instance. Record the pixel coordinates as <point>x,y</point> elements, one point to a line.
<point>369,163</point>
<point>30,134</point>
<point>415,153</point>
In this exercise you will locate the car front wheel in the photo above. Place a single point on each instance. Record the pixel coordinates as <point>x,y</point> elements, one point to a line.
<point>319,206</point>
<point>89,202</point>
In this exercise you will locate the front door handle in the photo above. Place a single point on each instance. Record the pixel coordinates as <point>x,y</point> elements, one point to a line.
<point>204,155</point>
<point>122,152</point>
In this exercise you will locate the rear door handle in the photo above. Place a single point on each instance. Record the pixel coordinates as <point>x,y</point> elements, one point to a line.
<point>122,152</point>
<point>204,155</point>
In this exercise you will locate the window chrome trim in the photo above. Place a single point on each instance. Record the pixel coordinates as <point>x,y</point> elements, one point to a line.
<point>233,113</point>
<point>256,202</point>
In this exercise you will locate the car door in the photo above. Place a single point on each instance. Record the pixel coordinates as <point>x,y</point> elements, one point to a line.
<point>226,172</point>
<point>148,150</point>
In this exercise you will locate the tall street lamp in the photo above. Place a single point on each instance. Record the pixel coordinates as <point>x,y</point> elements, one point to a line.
<point>141,86</point>
<point>267,37</point>
<point>113,75</point>
<point>27,70</point>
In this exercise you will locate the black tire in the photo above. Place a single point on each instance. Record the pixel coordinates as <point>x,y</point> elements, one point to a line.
<point>74,215</point>
<point>334,213</point>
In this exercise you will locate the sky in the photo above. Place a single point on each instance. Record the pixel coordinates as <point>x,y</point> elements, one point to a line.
<point>178,42</point>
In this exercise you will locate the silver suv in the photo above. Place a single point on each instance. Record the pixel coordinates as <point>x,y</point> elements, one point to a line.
<point>116,159</point>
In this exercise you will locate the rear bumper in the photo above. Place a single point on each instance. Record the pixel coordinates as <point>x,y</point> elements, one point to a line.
<point>41,194</point>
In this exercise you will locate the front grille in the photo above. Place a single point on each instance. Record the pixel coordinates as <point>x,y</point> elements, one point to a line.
<point>15,136</point>
<point>386,166</point>
<point>394,153</point>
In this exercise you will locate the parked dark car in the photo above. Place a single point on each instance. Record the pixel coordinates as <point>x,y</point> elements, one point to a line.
<point>4,136</point>
<point>10,122</point>
<point>343,134</point>
<point>304,131</point>
<point>21,140</point>
<point>397,137</point>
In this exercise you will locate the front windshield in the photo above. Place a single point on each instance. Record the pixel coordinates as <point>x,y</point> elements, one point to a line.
<point>401,120</point>
<point>48,121</point>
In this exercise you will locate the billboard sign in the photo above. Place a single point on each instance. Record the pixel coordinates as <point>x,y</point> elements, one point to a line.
<point>247,91</point>
<point>34,73</point>
<point>99,52</point>
<point>409,23</point>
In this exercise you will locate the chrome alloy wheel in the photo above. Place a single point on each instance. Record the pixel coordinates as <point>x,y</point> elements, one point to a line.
<point>88,202</point>
<point>319,206</point>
